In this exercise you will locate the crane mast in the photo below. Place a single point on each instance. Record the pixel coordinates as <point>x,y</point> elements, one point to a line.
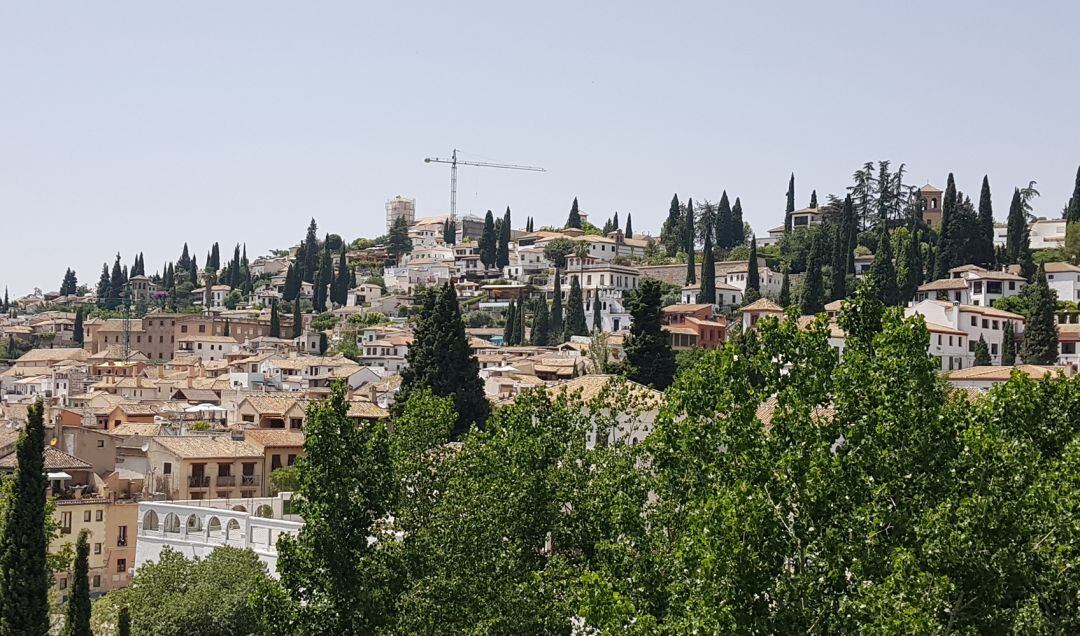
<point>455,162</point>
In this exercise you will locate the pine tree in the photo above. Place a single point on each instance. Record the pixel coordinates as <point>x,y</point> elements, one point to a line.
<point>574,220</point>
<point>813,199</point>
<point>440,359</point>
<point>690,241</point>
<point>508,328</point>
<point>488,243</point>
<point>575,312</point>
<point>790,203</point>
<point>982,353</point>
<point>1017,226</point>
<point>785,289</point>
<point>882,270</point>
<point>597,317</point>
<point>629,231</point>
<point>502,252</point>
<point>753,279</point>
<point>77,329</point>
<point>541,330</point>
<point>275,322</point>
<point>671,232</point>
<point>649,357</point>
<point>812,298</point>
<point>1008,344</point>
<point>945,255</point>
<point>1072,211</point>
<point>555,326</point>
<point>1040,329</point>
<point>985,226</point>
<point>708,270</point>
<point>723,223</point>
<point>297,319</point>
<point>24,573</point>
<point>78,609</point>
<point>737,233</point>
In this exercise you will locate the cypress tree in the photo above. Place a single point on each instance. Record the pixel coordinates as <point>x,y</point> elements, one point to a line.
<point>649,357</point>
<point>193,271</point>
<point>78,609</point>
<point>882,270</point>
<point>812,298</point>
<point>502,252</point>
<point>488,243</point>
<point>123,622</point>
<point>708,271</point>
<point>508,328</point>
<point>226,330</point>
<point>982,353</point>
<point>945,254</point>
<point>850,225</point>
<point>440,359</point>
<point>102,286</point>
<point>1008,344</point>
<point>1072,211</point>
<point>629,231</point>
<point>77,329</point>
<point>541,331</point>
<point>785,289</point>
<point>607,229</point>
<point>342,285</point>
<point>184,262</point>
<point>790,207</point>
<point>929,263</point>
<point>297,319</point>
<point>1017,225</point>
<point>737,233</point>
<point>575,312</point>
<point>275,322</point>
<point>24,573</point>
<point>1040,330</point>
<point>838,281</point>
<point>986,225</point>
<point>574,220</point>
<point>311,249</point>
<point>615,221</point>
<point>319,300</point>
<point>324,344</point>
<point>555,326</point>
<point>813,198</point>
<point>753,278</point>
<point>723,223</point>
<point>519,323</point>
<point>671,232</point>
<point>292,284</point>
<point>398,242</point>
<point>116,284</point>
<point>909,267</point>
<point>690,238</point>
<point>597,318</point>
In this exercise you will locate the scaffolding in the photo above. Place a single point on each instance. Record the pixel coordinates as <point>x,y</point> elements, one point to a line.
<point>400,206</point>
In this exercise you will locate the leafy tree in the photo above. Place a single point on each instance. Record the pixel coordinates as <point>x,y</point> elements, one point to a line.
<point>284,479</point>
<point>275,321</point>
<point>557,250</point>
<point>575,312</point>
<point>882,270</point>
<point>790,207</point>
<point>785,289</point>
<point>541,329</point>
<point>690,242</point>
<point>629,231</point>
<point>1008,344</point>
<point>672,232</point>
<point>649,357</point>
<point>812,296</point>
<point>441,360</point>
<point>24,573</point>
<point>488,242</point>
<point>1040,329</point>
<point>556,324</point>
<point>982,353</point>
<point>574,220</point>
<point>753,279</point>
<point>502,252</point>
<point>346,486</point>
<point>398,242</point>
<point>78,609</point>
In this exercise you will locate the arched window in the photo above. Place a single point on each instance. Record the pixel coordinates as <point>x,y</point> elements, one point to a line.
<point>933,203</point>
<point>232,530</point>
<point>194,523</point>
<point>150,520</point>
<point>213,527</point>
<point>264,511</point>
<point>172,523</point>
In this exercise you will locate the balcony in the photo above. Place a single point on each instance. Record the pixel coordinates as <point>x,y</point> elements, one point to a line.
<point>249,480</point>
<point>199,481</point>
<point>225,480</point>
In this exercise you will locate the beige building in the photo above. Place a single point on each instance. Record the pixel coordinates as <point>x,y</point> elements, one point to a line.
<point>280,449</point>
<point>74,516</point>
<point>204,467</point>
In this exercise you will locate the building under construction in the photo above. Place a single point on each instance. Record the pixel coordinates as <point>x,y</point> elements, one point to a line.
<point>400,206</point>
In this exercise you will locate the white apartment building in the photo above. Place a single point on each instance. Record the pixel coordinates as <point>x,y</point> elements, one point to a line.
<point>1043,233</point>
<point>973,321</point>
<point>972,285</point>
<point>1064,278</point>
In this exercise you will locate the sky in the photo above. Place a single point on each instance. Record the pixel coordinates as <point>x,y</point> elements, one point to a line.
<point>136,126</point>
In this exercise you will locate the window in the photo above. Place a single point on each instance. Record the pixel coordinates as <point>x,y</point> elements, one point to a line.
<point>101,443</point>
<point>63,583</point>
<point>1068,348</point>
<point>121,565</point>
<point>97,580</point>
<point>65,523</point>
<point>985,323</point>
<point>974,321</point>
<point>292,459</point>
<point>121,536</point>
<point>202,328</point>
<point>1012,285</point>
<point>183,328</point>
<point>167,468</point>
<point>97,548</point>
<point>86,516</point>
<point>99,515</point>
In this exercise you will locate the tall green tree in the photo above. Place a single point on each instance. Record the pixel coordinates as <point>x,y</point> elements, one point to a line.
<point>309,260</point>
<point>575,312</point>
<point>556,324</point>
<point>838,269</point>
<point>985,225</point>
<point>708,271</point>
<point>650,360</point>
<point>488,242</point>
<point>541,329</point>
<point>511,321</point>
<point>812,295</point>
<point>813,199</point>
<point>790,207</point>
<point>441,360</point>
<point>909,267</point>
<point>738,230</point>
<point>24,573</point>
<point>1072,210</point>
<point>346,486</point>
<point>1008,344</point>
<point>398,242</point>
<point>450,231</point>
<point>502,251</point>
<point>753,278</point>
<point>341,282</point>
<point>690,242</point>
<point>723,223</point>
<point>671,233</point>
<point>945,255</point>
<point>78,609</point>
<point>275,321</point>
<point>297,319</point>
<point>784,299</point>
<point>574,220</point>
<point>597,317</point>
<point>102,287</point>
<point>982,353</point>
<point>1040,328</point>
<point>883,271</point>
<point>629,231</point>
<point>77,330</point>
<point>1017,229</point>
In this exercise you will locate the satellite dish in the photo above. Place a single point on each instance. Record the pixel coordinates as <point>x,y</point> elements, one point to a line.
<point>145,446</point>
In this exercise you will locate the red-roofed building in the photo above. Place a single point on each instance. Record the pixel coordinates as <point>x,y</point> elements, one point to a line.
<point>691,326</point>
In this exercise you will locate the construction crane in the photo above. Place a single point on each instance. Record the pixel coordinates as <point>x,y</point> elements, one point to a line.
<point>455,162</point>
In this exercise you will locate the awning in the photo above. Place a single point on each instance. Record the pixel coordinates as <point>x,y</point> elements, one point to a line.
<point>59,475</point>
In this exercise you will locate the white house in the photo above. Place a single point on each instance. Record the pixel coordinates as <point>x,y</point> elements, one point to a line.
<point>1064,278</point>
<point>1043,233</point>
<point>973,321</point>
<point>972,285</point>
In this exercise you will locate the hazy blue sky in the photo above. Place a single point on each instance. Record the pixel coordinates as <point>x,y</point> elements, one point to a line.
<point>140,125</point>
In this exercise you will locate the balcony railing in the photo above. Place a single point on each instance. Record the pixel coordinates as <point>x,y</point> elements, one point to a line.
<point>226,480</point>
<point>249,480</point>
<point>199,481</point>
